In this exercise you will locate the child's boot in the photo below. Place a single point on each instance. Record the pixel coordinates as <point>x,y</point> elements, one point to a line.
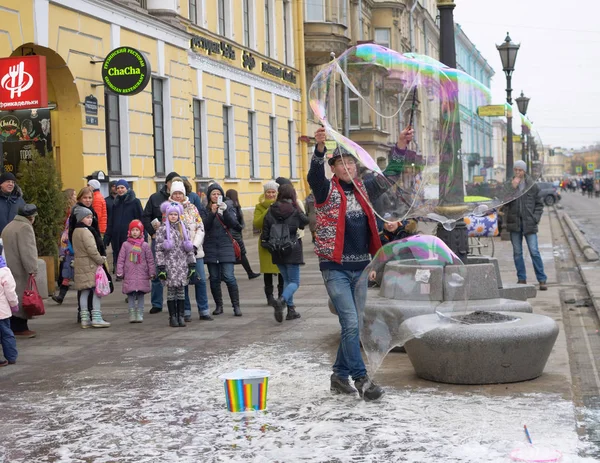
<point>173,322</point>
<point>84,319</point>
<point>139,316</point>
<point>132,315</point>
<point>181,312</point>
<point>62,292</point>
<point>97,320</point>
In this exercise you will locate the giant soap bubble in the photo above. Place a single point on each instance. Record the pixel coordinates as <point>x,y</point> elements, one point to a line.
<point>441,175</point>
<point>415,276</point>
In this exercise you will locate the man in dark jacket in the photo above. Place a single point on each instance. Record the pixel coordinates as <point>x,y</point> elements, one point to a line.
<point>11,199</point>
<point>151,215</point>
<point>522,218</point>
<point>110,199</point>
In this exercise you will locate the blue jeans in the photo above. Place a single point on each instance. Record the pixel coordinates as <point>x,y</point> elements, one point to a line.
<point>341,286</point>
<point>8,341</point>
<point>532,243</point>
<point>200,288</point>
<point>291,281</point>
<point>156,295</point>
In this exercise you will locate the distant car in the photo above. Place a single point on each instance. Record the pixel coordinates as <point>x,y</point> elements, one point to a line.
<point>548,193</point>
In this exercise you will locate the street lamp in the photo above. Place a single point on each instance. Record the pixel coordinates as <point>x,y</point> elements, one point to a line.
<point>508,54</point>
<point>522,103</point>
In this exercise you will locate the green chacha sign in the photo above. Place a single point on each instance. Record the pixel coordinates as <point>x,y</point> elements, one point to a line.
<point>126,71</point>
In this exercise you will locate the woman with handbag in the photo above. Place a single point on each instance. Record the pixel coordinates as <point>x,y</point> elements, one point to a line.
<point>232,195</point>
<point>20,250</point>
<point>221,251</point>
<point>87,244</point>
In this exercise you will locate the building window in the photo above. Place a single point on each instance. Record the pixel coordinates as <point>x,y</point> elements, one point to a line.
<point>273,142</point>
<point>221,12</point>
<point>314,11</point>
<point>193,12</point>
<point>286,29</point>
<point>292,148</point>
<point>252,144</point>
<point>113,133</point>
<point>343,12</point>
<point>199,160</point>
<point>159,121</point>
<point>354,103</point>
<point>246,7</point>
<point>382,37</point>
<point>267,29</point>
<point>227,140</point>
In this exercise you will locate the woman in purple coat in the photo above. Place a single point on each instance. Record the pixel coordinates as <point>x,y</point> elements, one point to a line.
<point>136,267</point>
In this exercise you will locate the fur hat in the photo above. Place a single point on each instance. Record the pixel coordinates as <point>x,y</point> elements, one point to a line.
<point>283,181</point>
<point>271,185</point>
<point>177,186</point>
<point>167,208</point>
<point>82,212</point>
<point>135,224</point>
<point>95,184</point>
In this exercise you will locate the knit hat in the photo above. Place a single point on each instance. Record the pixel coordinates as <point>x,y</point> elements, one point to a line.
<point>271,185</point>
<point>28,210</point>
<point>167,208</point>
<point>177,186</point>
<point>135,224</point>
<point>82,212</point>
<point>338,152</point>
<point>171,176</point>
<point>95,184</point>
<point>6,176</point>
<point>520,165</point>
<point>283,181</point>
<point>123,182</point>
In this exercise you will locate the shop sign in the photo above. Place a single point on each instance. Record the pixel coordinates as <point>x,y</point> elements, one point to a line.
<point>91,105</point>
<point>212,47</point>
<point>26,125</point>
<point>126,71</point>
<point>248,61</point>
<point>279,72</point>
<point>13,153</point>
<point>491,110</point>
<point>23,83</point>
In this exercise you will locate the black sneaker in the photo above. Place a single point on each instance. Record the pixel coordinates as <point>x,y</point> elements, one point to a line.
<point>155,310</point>
<point>341,385</point>
<point>206,317</point>
<point>367,389</point>
<point>279,305</point>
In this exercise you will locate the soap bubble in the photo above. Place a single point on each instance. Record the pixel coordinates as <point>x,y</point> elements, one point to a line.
<point>415,276</point>
<point>442,174</point>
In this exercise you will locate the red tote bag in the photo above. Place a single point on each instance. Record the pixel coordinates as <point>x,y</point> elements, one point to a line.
<point>33,304</point>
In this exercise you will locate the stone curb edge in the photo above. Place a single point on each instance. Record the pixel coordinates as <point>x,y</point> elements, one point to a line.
<point>590,254</point>
<point>587,273</point>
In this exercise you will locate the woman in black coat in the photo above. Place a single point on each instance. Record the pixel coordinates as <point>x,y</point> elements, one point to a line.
<point>232,195</point>
<point>287,254</point>
<point>219,254</point>
<point>126,207</point>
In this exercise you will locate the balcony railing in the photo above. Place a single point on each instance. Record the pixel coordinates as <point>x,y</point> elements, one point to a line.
<point>143,3</point>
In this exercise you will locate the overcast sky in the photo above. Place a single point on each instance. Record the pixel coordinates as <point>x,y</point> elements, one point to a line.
<point>558,64</point>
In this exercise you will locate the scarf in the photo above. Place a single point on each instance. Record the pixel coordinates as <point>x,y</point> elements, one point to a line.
<point>135,255</point>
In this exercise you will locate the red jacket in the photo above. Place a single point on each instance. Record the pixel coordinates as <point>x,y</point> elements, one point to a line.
<point>99,205</point>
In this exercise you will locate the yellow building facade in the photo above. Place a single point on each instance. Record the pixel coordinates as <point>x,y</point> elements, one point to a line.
<point>224,101</point>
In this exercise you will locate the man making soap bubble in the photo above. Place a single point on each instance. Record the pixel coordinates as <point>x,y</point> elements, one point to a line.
<point>346,237</point>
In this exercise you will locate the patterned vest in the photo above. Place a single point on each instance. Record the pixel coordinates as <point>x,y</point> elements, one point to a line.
<point>331,222</point>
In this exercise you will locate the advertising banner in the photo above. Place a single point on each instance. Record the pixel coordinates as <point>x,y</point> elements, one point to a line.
<point>23,83</point>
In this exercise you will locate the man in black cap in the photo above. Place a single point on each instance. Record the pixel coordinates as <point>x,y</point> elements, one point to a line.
<point>152,219</point>
<point>11,198</point>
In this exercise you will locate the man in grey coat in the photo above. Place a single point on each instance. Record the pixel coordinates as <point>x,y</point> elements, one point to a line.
<point>522,219</point>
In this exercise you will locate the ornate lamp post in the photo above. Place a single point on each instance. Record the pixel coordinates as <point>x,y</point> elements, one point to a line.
<point>522,103</point>
<point>508,54</point>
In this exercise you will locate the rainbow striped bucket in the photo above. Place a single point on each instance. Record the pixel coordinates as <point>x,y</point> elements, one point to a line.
<point>246,390</point>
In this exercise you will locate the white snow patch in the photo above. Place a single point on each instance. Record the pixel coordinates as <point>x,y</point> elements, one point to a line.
<point>178,414</point>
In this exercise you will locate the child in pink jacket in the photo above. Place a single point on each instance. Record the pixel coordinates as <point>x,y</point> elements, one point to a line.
<point>9,303</point>
<point>136,268</point>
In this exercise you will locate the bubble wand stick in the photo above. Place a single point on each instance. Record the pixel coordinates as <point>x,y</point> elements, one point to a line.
<point>413,107</point>
<point>527,434</point>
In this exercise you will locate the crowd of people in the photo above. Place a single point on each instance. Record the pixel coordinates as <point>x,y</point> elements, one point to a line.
<point>587,186</point>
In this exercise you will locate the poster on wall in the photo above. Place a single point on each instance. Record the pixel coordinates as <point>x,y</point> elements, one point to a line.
<point>26,125</point>
<point>16,152</point>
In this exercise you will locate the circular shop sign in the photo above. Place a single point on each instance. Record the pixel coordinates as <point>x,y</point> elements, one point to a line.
<point>126,71</point>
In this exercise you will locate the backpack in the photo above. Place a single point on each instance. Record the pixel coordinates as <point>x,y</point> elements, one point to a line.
<point>280,242</point>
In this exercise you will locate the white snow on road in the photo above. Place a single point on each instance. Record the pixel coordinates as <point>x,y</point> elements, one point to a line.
<point>177,414</point>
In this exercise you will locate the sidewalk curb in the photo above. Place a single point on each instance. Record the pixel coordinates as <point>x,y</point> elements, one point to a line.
<point>589,273</point>
<point>584,245</point>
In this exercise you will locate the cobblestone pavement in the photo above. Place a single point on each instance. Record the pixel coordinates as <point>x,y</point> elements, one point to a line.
<point>150,393</point>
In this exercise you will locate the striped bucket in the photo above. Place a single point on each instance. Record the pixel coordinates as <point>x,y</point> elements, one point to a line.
<point>246,390</point>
